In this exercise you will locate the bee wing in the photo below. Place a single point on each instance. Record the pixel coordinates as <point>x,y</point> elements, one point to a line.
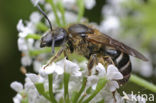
<point>106,40</point>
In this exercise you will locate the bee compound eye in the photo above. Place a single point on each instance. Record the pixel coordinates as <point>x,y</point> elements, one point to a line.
<point>79,29</point>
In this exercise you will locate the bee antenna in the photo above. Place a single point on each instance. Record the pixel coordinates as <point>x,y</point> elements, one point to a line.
<point>44,14</point>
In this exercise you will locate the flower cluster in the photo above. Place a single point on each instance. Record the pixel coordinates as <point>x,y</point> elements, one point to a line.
<point>63,75</point>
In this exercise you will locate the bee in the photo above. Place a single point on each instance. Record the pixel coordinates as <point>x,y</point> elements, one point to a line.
<point>92,44</point>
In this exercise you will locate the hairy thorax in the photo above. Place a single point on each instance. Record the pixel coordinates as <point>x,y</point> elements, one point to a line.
<point>83,47</point>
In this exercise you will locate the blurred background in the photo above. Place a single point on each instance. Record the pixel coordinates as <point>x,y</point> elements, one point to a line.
<point>10,12</point>
<point>138,29</point>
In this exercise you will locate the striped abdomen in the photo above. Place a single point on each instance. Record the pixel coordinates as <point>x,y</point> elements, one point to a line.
<point>122,62</point>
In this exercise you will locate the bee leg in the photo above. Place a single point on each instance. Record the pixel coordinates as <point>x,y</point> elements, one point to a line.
<point>108,60</point>
<point>52,59</point>
<point>92,61</point>
<point>65,54</point>
<point>114,97</point>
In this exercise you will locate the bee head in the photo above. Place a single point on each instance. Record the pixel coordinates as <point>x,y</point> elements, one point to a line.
<point>52,38</point>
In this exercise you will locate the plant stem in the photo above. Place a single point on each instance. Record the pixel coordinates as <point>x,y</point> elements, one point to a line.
<point>100,85</point>
<point>41,90</point>
<point>55,12</point>
<point>66,82</point>
<point>81,90</point>
<point>33,36</point>
<point>40,51</point>
<point>50,79</point>
<point>81,9</point>
<point>141,82</point>
<point>42,26</point>
<point>62,11</point>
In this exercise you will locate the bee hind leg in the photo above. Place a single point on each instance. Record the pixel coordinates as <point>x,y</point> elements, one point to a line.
<point>108,60</point>
<point>92,61</point>
<point>113,93</point>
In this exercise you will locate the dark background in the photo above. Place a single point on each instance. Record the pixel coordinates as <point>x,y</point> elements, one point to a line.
<point>10,12</point>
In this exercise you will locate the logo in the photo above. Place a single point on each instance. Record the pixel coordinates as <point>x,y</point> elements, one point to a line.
<point>138,97</point>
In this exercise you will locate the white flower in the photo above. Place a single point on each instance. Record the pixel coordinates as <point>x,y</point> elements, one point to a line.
<point>60,67</point>
<point>35,2</point>
<point>29,85</point>
<point>17,98</point>
<point>35,17</point>
<point>24,30</point>
<point>70,67</point>
<point>69,4</point>
<point>17,86</point>
<point>109,98</point>
<point>89,4</point>
<point>37,65</point>
<point>70,17</point>
<point>110,25</point>
<point>47,7</point>
<point>112,74</point>
<point>92,81</point>
<point>35,78</point>
<point>101,70</point>
<point>20,25</point>
<point>144,68</point>
<point>52,68</point>
<point>22,46</point>
<point>26,60</point>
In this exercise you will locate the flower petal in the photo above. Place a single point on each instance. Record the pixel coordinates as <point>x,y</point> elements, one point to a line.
<point>34,78</point>
<point>69,67</point>
<point>90,4</point>
<point>20,25</point>
<point>113,73</point>
<point>92,80</point>
<point>112,85</point>
<point>35,2</point>
<point>17,86</point>
<point>35,17</point>
<point>59,70</point>
<point>101,69</point>
<point>17,98</point>
<point>49,69</point>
